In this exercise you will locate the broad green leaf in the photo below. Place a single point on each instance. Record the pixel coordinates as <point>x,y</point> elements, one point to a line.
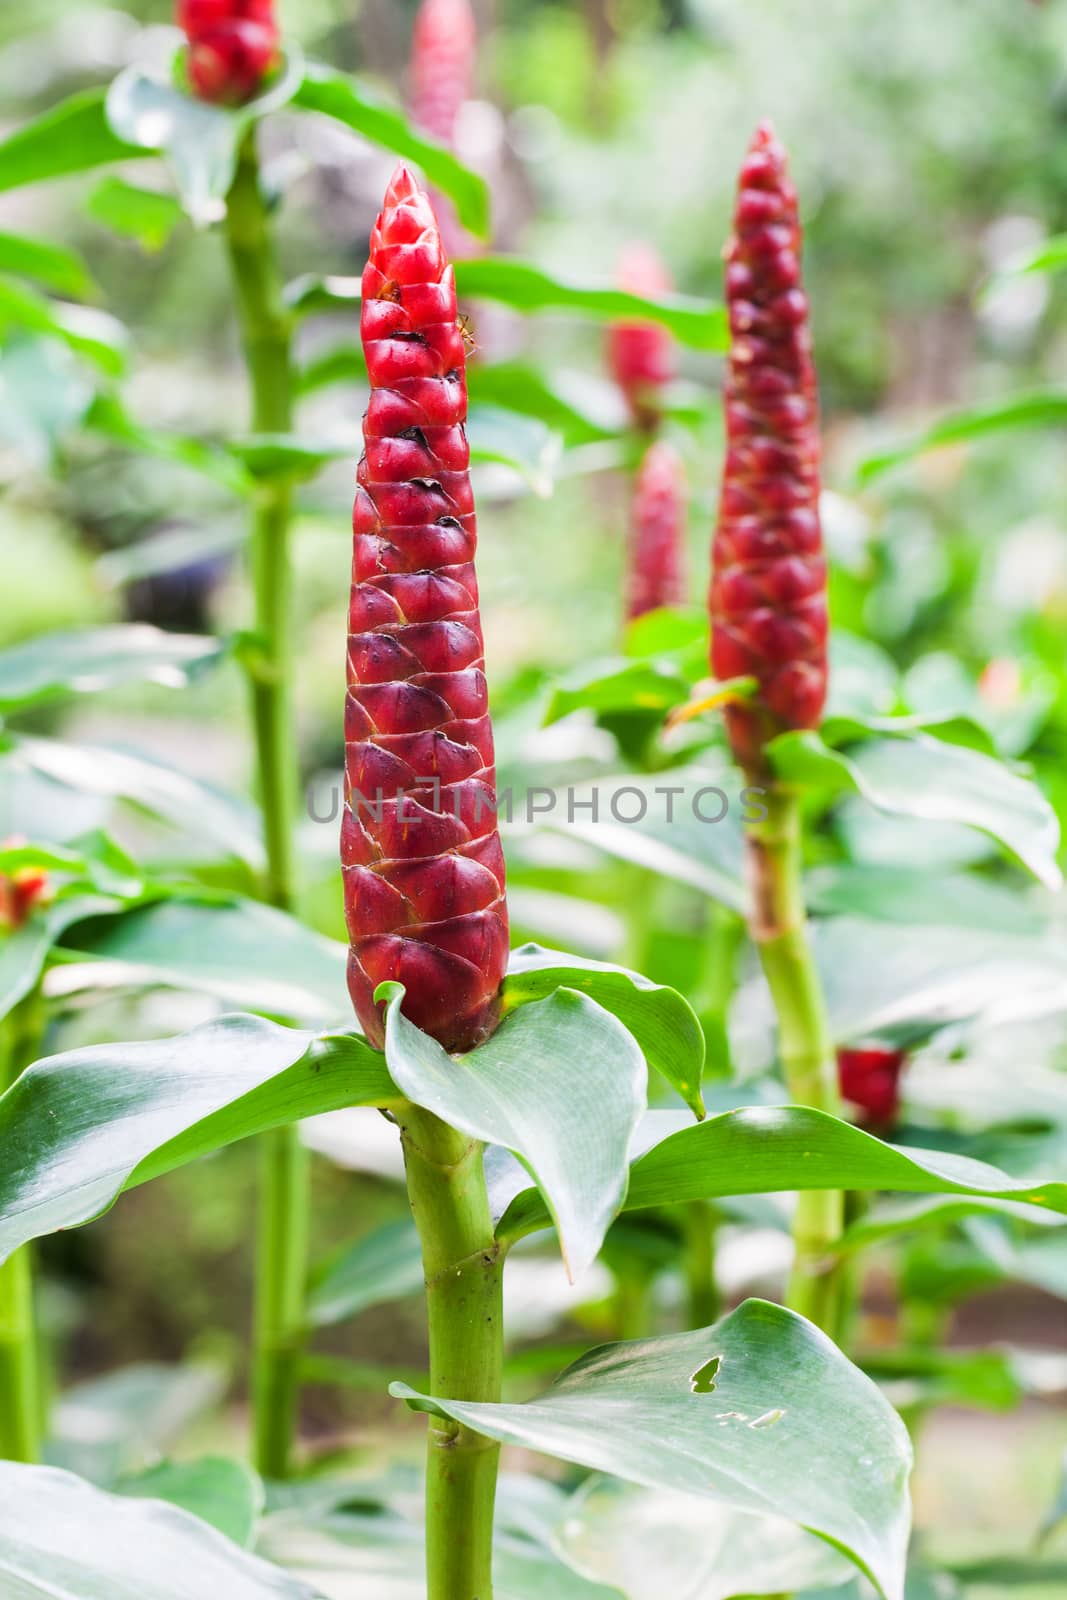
<point>86,330</point>
<point>760,1412</point>
<point>662,1022</point>
<point>910,897</point>
<point>23,953</point>
<point>771,1149</point>
<point>1043,409</point>
<point>582,406</point>
<point>55,266</point>
<point>895,1219</point>
<point>150,109</point>
<point>206,814</point>
<point>1049,256</point>
<point>526,444</point>
<point>938,782</point>
<point>62,1538</point>
<point>997,1573</point>
<point>121,1422</point>
<point>368,113</point>
<point>70,137</point>
<point>654,1543</point>
<point>382,1266</point>
<point>561,1084</point>
<point>225,1494</point>
<point>169,551</point>
<point>85,660</point>
<point>684,823</point>
<point>701,324</point>
<point>246,954</point>
<point>44,392</point>
<point>281,456</point>
<point>83,1126</point>
<point>863,678</point>
<point>645,685</point>
<point>1039,1261</point>
<point>148,216</point>
<point>108,416</point>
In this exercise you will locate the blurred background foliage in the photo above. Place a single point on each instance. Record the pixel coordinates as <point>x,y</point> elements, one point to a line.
<point>929,145</point>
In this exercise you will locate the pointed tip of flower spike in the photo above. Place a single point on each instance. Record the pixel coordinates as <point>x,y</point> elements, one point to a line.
<point>402,186</point>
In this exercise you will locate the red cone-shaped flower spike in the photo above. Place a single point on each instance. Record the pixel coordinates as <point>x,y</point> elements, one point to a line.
<point>641,354</point>
<point>657,549</point>
<point>443,48</point>
<point>423,865</point>
<point>869,1077</point>
<point>768,591</point>
<point>233,44</point>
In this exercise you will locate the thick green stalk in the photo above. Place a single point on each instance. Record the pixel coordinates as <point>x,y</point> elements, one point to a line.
<point>805,1047</point>
<point>21,1404</point>
<point>463,1265</point>
<point>283,1211</point>
<point>702,1293</point>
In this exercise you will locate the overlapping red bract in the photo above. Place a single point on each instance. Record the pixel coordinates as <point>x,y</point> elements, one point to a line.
<point>21,891</point>
<point>656,574</point>
<point>424,878</point>
<point>233,44</point>
<point>641,354</point>
<point>768,590</point>
<point>869,1077</point>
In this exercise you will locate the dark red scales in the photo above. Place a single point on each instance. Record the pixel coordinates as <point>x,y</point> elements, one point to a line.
<point>233,45</point>
<point>420,848</point>
<point>768,590</point>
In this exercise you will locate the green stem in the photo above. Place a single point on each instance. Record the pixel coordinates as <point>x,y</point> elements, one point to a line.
<point>701,1224</point>
<point>778,925</point>
<point>283,1209</point>
<point>463,1265</point>
<point>21,1395</point>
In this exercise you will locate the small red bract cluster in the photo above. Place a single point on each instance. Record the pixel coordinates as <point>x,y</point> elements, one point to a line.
<point>421,853</point>
<point>869,1078</point>
<point>641,354</point>
<point>20,891</point>
<point>656,570</point>
<point>233,45</point>
<point>768,590</point>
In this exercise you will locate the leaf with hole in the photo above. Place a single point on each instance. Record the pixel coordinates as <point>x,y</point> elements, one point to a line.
<point>785,1425</point>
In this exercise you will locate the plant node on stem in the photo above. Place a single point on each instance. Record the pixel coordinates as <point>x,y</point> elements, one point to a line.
<point>283,1212</point>
<point>778,926</point>
<point>464,1268</point>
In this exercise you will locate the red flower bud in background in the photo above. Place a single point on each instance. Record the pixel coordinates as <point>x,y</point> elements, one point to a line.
<point>641,354</point>
<point>768,590</point>
<point>443,46</point>
<point>657,539</point>
<point>869,1077</point>
<point>233,45</point>
<point>21,891</point>
<point>420,849</point>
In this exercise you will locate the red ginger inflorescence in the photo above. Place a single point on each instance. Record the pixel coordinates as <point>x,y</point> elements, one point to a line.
<point>869,1077</point>
<point>641,354</point>
<point>657,538</point>
<point>22,890</point>
<point>443,46</point>
<point>420,848</point>
<point>768,589</point>
<point>233,45</point>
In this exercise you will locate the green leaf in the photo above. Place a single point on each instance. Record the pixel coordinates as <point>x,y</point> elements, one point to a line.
<point>561,1084</point>
<point>90,1123</point>
<point>1049,256</point>
<point>150,109</point>
<point>288,456</point>
<point>1046,408</point>
<point>206,814</point>
<point>654,1543</point>
<point>526,444</point>
<point>382,1266</point>
<point>225,1494</point>
<point>71,137</point>
<point>169,551</point>
<point>773,1149</point>
<point>62,1537</point>
<point>911,896</point>
<point>23,953</point>
<point>147,216</point>
<point>700,324</point>
<point>926,778</point>
<point>646,685</point>
<point>583,407</point>
<point>895,1219</point>
<point>368,113</point>
<point>246,954</point>
<point>55,266</point>
<point>44,392</point>
<point>118,1423</point>
<point>86,660</point>
<point>85,330</point>
<point>1011,1572</point>
<point>108,416</point>
<point>760,1412</point>
<point>662,1022</point>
